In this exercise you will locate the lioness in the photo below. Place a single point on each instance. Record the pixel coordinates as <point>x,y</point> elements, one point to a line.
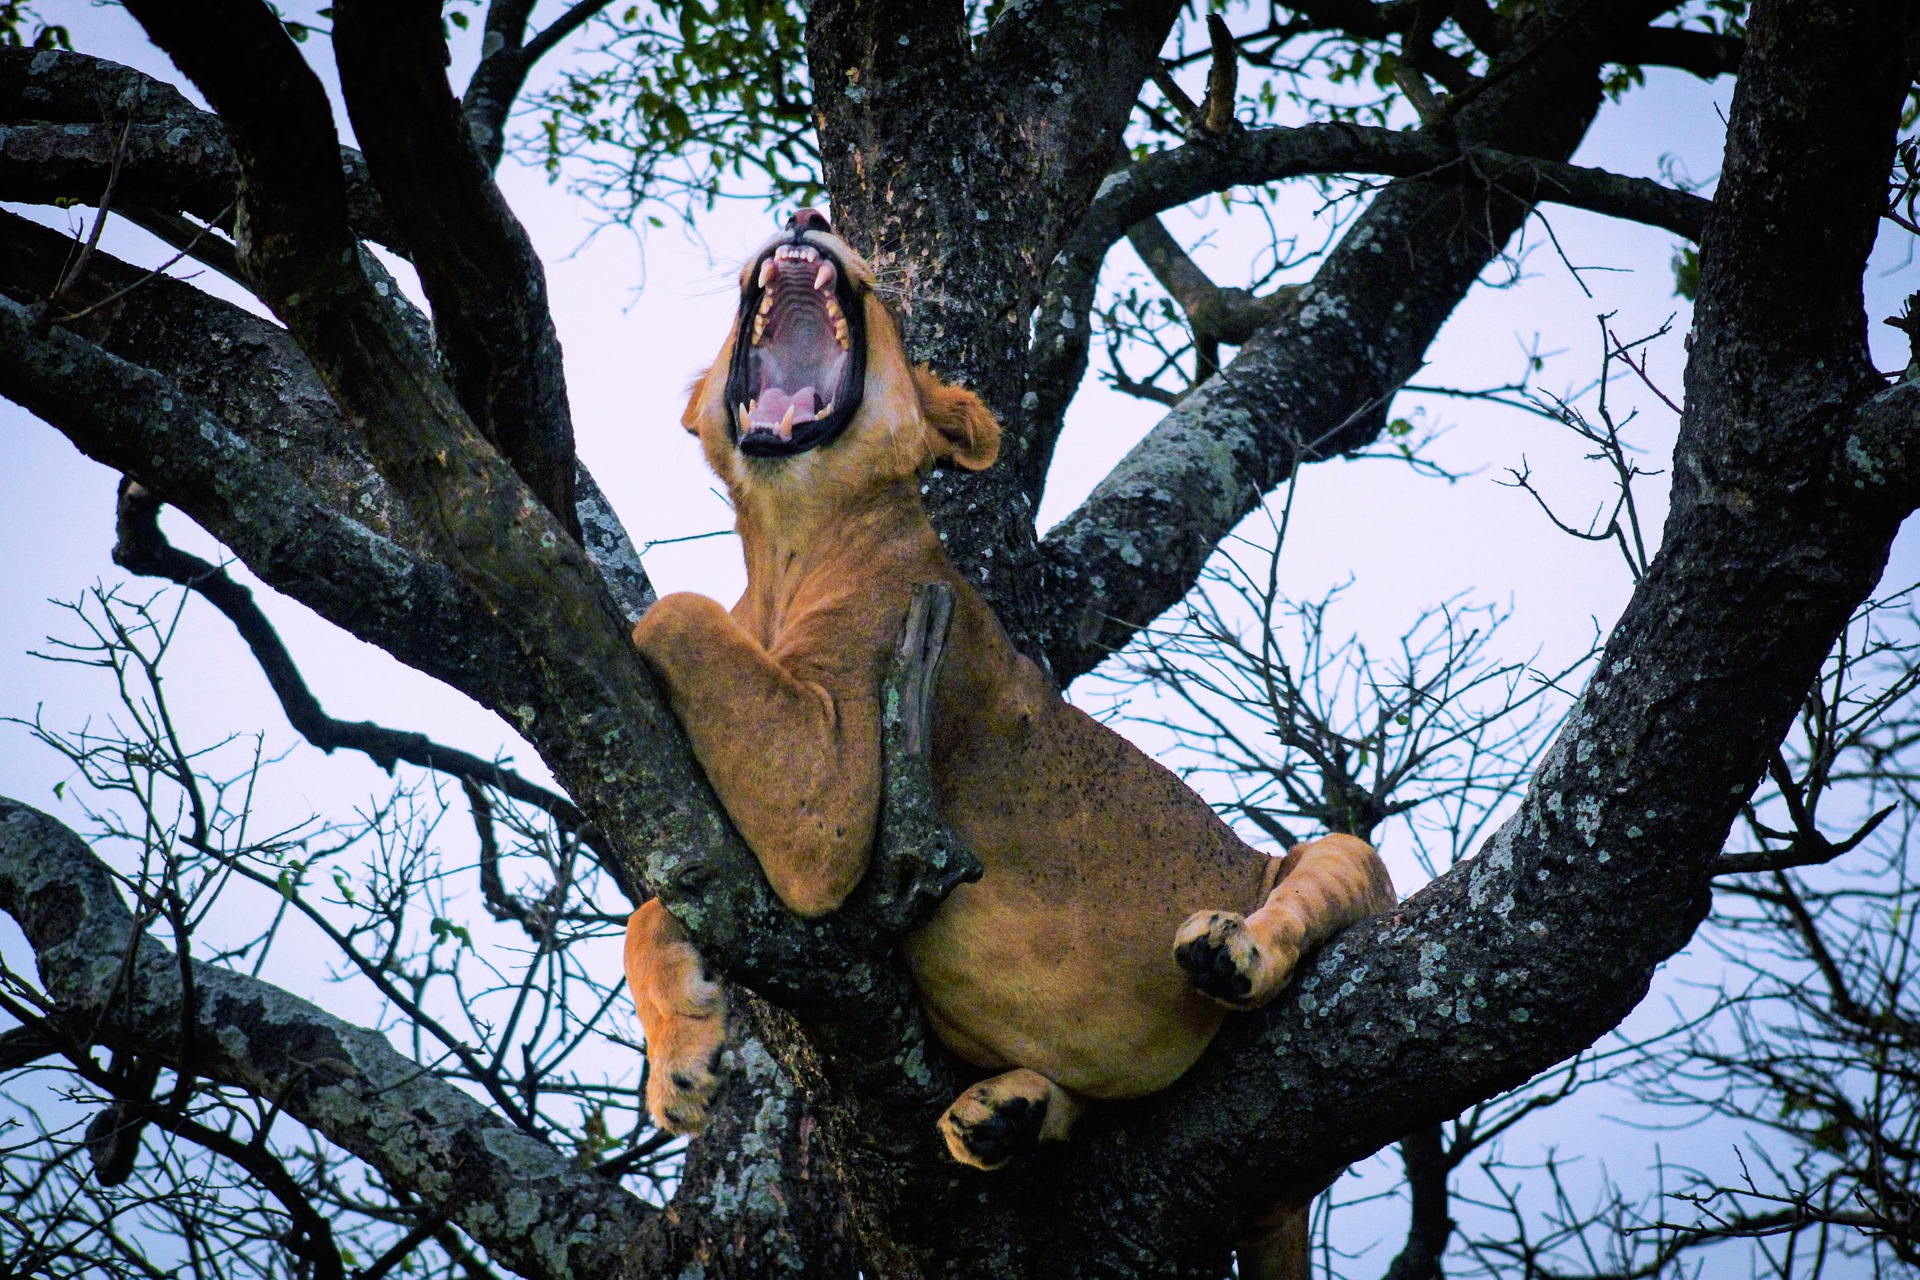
<point>1118,918</point>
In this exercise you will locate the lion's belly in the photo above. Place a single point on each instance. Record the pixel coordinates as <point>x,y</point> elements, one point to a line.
<point>1011,987</point>
<point>1061,958</point>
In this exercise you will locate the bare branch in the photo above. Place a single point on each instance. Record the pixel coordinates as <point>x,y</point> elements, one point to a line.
<point>113,986</point>
<point>142,548</point>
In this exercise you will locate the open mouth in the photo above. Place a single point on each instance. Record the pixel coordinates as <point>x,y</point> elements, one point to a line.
<point>800,363</point>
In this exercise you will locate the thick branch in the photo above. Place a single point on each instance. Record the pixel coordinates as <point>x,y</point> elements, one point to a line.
<point>487,287</point>
<point>64,113</point>
<point>1704,53</point>
<point>581,694</point>
<point>1430,1226</point>
<point>531,1206</point>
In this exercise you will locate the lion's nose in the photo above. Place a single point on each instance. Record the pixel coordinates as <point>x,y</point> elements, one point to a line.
<point>808,220</point>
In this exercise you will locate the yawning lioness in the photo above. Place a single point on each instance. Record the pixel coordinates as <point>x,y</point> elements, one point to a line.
<point>1118,918</point>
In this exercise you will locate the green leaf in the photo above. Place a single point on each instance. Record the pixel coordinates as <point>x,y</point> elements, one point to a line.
<point>444,928</point>
<point>1686,272</point>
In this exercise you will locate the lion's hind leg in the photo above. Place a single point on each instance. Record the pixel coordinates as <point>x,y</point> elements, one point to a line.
<point>1323,886</point>
<point>683,1013</point>
<point>1008,1115</point>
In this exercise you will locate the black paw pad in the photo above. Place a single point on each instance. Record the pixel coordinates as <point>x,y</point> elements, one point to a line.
<point>1209,965</point>
<point>1012,1128</point>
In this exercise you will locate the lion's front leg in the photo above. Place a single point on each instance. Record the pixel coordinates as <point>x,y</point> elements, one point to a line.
<point>683,1015</point>
<point>1324,886</point>
<point>796,764</point>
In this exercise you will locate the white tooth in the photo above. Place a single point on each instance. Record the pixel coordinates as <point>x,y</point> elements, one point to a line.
<point>786,425</point>
<point>820,277</point>
<point>811,252</point>
<point>766,272</point>
<point>744,415</point>
<point>823,410</point>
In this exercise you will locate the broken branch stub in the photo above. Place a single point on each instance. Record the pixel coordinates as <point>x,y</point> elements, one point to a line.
<point>917,860</point>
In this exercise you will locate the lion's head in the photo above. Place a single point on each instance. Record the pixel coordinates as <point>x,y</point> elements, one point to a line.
<point>812,385</point>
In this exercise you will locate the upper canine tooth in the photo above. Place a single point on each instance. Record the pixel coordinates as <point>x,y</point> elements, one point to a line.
<point>766,272</point>
<point>824,274</point>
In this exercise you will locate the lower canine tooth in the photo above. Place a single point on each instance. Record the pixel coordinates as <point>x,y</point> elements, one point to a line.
<point>786,424</point>
<point>743,415</point>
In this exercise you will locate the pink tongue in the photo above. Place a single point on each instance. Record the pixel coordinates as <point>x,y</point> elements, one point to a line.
<point>772,407</point>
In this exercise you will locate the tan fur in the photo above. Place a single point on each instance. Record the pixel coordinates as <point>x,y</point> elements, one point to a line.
<point>1058,965</point>
<point>683,1011</point>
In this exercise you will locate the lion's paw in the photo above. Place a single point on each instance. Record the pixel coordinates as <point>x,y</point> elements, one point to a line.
<point>1223,959</point>
<point>684,1073</point>
<point>986,1129</point>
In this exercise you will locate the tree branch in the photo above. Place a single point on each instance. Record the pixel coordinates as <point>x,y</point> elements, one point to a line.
<point>142,548</point>
<point>529,1205</point>
<point>1224,315</point>
<point>579,691</point>
<point>1317,383</point>
<point>506,58</point>
<point>1705,53</point>
<point>1495,970</point>
<point>1168,179</point>
<point>177,157</point>
<point>487,286</point>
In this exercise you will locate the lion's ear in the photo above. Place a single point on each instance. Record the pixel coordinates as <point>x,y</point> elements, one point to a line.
<point>963,430</point>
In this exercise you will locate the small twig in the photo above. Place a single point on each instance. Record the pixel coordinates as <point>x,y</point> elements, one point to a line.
<point>186,250</point>
<point>78,266</point>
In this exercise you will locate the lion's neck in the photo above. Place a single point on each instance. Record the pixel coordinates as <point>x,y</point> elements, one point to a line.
<point>791,554</point>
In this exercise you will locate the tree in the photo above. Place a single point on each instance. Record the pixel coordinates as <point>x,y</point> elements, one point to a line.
<point>418,488</point>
